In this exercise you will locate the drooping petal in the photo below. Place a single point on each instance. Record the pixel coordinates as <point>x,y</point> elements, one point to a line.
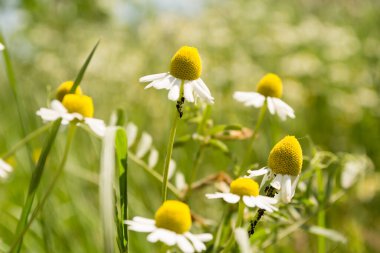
<point>48,114</point>
<point>276,183</point>
<point>283,110</point>
<point>188,92</point>
<point>139,226</point>
<point>201,90</point>
<point>231,198</point>
<point>249,98</point>
<point>150,78</point>
<point>205,237</point>
<point>294,185</point>
<point>165,83</point>
<point>198,244</point>
<point>96,125</point>
<point>143,220</point>
<point>286,191</point>
<point>131,133</point>
<point>57,106</point>
<point>271,106</point>
<point>217,195</point>
<point>184,244</point>
<point>174,92</point>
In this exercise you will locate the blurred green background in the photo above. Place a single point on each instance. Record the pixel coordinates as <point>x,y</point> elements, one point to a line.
<point>327,52</point>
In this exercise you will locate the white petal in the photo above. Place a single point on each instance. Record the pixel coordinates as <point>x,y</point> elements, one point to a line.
<point>153,158</point>
<point>249,98</point>
<point>294,185</point>
<point>201,91</point>
<point>217,195</point>
<point>264,180</point>
<point>249,201</point>
<point>150,78</point>
<point>188,92</point>
<point>283,110</point>
<point>48,114</point>
<point>276,183</point>
<point>1,47</point>
<point>286,191</point>
<point>231,198</point>
<point>180,182</point>
<point>267,203</point>
<point>5,166</point>
<point>143,220</point>
<point>271,107</point>
<point>144,145</point>
<point>165,83</point>
<point>198,244</point>
<point>96,125</point>
<point>174,92</point>
<point>205,237</point>
<point>184,244</point>
<point>141,228</point>
<point>163,235</point>
<point>57,106</point>
<point>131,133</point>
<point>255,173</point>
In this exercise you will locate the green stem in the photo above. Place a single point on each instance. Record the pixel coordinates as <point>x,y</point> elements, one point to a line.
<point>35,181</point>
<point>169,152</point>
<point>322,212</point>
<point>238,224</point>
<point>254,134</point>
<point>43,200</point>
<point>27,138</point>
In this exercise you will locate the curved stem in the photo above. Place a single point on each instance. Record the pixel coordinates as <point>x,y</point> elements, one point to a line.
<point>169,152</point>
<point>255,131</point>
<point>50,188</point>
<point>27,138</point>
<point>239,221</point>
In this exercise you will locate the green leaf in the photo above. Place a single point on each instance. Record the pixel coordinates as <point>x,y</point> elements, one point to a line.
<point>80,75</point>
<point>218,145</point>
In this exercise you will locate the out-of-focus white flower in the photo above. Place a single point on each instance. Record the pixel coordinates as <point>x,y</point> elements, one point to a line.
<point>5,169</point>
<point>1,47</point>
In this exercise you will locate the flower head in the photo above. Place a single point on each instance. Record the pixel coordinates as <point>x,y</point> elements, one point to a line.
<point>65,88</point>
<point>76,108</point>
<point>247,190</point>
<point>270,86</point>
<point>186,64</point>
<point>269,92</point>
<point>286,157</point>
<point>5,169</point>
<point>183,76</point>
<point>171,226</point>
<point>284,167</point>
<point>174,215</point>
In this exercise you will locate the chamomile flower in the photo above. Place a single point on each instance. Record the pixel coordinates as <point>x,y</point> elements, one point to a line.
<point>5,169</point>
<point>247,190</point>
<point>185,68</point>
<point>268,92</point>
<point>171,226</point>
<point>1,47</point>
<point>74,107</point>
<point>284,168</point>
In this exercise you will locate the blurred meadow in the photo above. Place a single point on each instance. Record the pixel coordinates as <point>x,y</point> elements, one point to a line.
<point>326,52</point>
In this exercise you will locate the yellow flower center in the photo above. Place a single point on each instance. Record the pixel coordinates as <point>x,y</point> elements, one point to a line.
<point>244,186</point>
<point>174,215</point>
<point>186,64</point>
<point>270,86</point>
<point>64,89</point>
<point>286,157</point>
<point>81,104</point>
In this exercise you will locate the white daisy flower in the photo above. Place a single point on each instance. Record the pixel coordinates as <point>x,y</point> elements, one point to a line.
<point>186,68</point>
<point>74,107</point>
<point>284,168</point>
<point>247,190</point>
<point>269,92</point>
<point>171,226</point>
<point>5,169</point>
<point>1,47</point>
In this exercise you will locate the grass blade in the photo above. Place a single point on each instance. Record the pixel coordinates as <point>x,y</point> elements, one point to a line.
<point>80,75</point>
